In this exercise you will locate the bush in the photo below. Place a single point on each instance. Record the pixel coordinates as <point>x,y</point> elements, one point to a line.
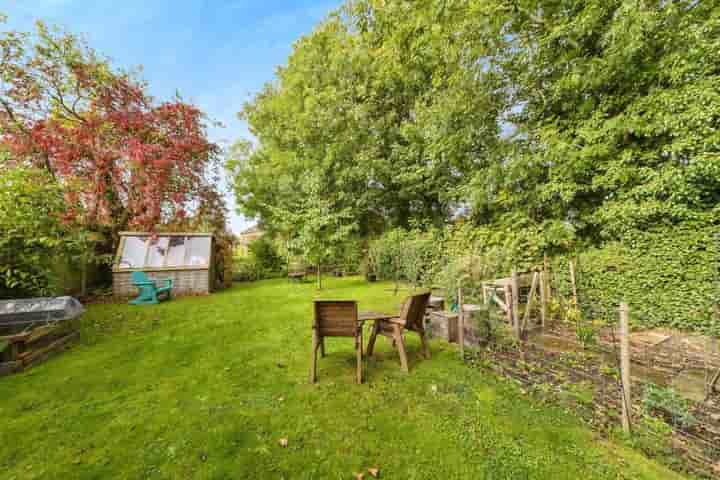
<point>404,255</point>
<point>263,261</point>
<point>245,269</point>
<point>33,234</point>
<point>668,276</point>
<point>264,254</point>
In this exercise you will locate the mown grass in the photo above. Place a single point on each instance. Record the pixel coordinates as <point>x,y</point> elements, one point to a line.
<point>205,388</point>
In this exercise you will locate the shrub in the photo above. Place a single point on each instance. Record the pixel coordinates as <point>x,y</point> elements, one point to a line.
<point>245,269</point>
<point>667,275</point>
<point>33,234</point>
<point>264,254</point>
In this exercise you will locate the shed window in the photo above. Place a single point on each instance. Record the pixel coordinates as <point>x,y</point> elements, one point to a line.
<point>176,252</point>
<point>158,250</point>
<point>133,255</point>
<point>140,251</point>
<point>198,251</point>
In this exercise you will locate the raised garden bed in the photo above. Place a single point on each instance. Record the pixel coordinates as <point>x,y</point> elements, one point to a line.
<point>32,329</point>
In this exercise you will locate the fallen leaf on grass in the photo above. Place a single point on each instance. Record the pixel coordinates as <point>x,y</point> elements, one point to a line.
<point>375,472</point>
<point>283,442</point>
<point>359,476</point>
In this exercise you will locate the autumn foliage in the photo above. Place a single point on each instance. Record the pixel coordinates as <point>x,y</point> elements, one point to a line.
<point>124,159</point>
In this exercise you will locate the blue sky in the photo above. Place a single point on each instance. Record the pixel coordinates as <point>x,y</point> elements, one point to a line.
<point>216,53</point>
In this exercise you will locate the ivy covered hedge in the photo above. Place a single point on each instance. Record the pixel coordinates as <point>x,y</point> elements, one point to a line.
<point>667,275</point>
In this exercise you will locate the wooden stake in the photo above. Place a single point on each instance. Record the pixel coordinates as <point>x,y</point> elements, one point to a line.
<point>625,366</point>
<point>508,304</point>
<point>543,300</point>
<point>531,300</point>
<point>546,287</point>
<point>572,281</point>
<point>461,323</point>
<point>710,350</point>
<point>515,304</point>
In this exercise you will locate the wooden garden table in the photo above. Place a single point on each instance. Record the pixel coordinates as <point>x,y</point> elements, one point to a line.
<point>370,316</point>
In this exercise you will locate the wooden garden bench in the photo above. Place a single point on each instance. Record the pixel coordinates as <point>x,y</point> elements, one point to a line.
<point>149,292</point>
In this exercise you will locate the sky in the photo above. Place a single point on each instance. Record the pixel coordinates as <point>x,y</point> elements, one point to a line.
<point>215,53</point>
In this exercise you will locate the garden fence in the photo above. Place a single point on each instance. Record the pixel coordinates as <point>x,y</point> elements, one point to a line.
<point>666,380</point>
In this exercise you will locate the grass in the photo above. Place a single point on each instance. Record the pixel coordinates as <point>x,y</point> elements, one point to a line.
<point>205,387</point>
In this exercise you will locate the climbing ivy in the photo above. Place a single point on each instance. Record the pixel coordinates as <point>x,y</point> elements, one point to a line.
<point>667,275</point>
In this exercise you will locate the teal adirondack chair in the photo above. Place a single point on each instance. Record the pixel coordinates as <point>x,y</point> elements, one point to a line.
<point>149,293</point>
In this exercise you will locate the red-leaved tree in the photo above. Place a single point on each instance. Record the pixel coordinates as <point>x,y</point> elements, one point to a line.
<point>125,160</point>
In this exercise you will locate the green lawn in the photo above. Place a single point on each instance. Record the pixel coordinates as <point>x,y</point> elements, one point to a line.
<point>205,388</point>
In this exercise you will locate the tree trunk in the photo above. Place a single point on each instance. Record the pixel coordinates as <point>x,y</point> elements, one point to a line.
<point>319,276</point>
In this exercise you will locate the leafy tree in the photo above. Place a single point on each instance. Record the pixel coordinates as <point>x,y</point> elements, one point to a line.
<point>582,120</point>
<point>127,160</point>
<point>315,223</point>
<point>615,114</point>
<point>384,104</point>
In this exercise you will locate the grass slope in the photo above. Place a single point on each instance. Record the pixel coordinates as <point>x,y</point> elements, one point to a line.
<point>205,387</point>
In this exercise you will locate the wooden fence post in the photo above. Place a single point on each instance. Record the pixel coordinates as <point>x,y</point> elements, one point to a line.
<point>710,378</point>
<point>572,281</point>
<point>625,366</point>
<point>543,300</point>
<point>508,304</point>
<point>531,301</point>
<point>516,304</point>
<point>461,324</point>
<point>545,289</point>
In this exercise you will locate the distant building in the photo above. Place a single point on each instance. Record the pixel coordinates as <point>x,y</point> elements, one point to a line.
<point>245,238</point>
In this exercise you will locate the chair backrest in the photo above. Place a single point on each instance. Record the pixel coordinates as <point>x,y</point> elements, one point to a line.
<point>413,311</point>
<point>336,318</point>
<point>138,277</point>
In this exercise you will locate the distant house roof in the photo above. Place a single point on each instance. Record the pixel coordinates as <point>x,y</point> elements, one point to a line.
<point>252,230</point>
<point>250,234</point>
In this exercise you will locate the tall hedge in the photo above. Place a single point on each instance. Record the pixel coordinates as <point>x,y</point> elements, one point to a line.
<point>667,275</point>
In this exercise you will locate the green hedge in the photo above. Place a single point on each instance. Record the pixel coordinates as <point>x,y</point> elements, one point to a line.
<point>668,276</point>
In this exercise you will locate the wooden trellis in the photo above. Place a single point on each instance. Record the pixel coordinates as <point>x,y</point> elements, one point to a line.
<point>506,293</point>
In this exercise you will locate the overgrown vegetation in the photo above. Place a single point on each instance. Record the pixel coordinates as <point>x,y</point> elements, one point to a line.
<point>668,275</point>
<point>585,129</point>
<point>33,232</point>
<point>669,404</point>
<point>262,261</point>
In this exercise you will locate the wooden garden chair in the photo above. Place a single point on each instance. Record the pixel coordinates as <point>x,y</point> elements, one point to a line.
<point>148,291</point>
<point>336,318</point>
<point>411,318</point>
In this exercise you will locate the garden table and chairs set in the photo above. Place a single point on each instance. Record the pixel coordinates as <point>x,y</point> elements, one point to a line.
<point>341,318</point>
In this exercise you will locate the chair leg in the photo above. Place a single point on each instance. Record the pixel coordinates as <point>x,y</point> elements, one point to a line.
<point>373,337</point>
<point>313,362</point>
<point>358,350</point>
<point>401,348</point>
<point>425,345</point>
